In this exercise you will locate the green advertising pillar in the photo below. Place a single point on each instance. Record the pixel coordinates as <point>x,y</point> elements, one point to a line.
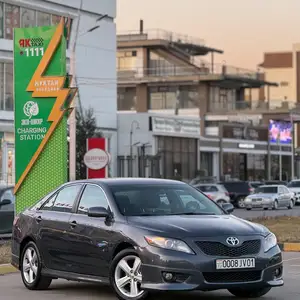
<point>42,98</point>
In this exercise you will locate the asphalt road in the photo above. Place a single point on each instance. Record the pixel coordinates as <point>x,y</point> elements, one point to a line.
<point>255,213</point>
<point>12,288</point>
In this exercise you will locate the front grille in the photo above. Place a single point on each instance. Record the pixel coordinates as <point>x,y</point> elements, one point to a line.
<point>218,249</point>
<point>228,277</point>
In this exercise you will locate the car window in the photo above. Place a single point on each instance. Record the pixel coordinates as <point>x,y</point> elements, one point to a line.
<point>207,188</point>
<point>92,196</point>
<point>266,190</point>
<point>160,200</point>
<point>8,194</point>
<point>294,184</point>
<point>280,190</point>
<point>63,200</point>
<point>236,186</point>
<point>286,190</point>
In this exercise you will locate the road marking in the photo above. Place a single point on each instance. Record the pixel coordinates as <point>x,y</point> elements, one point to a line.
<point>290,259</point>
<point>294,266</point>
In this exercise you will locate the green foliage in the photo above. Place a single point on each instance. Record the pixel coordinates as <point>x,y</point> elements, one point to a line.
<point>86,127</point>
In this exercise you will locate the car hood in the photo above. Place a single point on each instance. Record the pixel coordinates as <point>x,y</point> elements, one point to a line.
<point>262,195</point>
<point>294,189</point>
<point>197,226</point>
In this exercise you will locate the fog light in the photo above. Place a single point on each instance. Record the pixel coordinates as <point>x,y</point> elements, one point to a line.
<point>277,273</point>
<point>168,276</point>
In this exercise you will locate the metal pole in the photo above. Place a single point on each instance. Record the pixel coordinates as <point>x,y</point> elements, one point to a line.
<point>293,148</point>
<point>131,166</point>
<point>72,118</point>
<point>280,163</point>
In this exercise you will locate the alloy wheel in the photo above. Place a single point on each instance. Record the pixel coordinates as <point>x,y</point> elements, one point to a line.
<point>128,276</point>
<point>241,203</point>
<point>30,265</point>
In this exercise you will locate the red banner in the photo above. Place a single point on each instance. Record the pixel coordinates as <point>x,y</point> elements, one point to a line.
<point>97,158</point>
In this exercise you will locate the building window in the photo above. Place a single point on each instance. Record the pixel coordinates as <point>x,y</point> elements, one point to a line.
<point>126,60</point>
<point>127,98</point>
<point>12,19</point>
<point>206,163</point>
<point>2,86</point>
<point>43,19</point>
<point>171,96</point>
<point>284,83</point>
<point>1,20</point>
<point>28,17</point>
<point>9,101</point>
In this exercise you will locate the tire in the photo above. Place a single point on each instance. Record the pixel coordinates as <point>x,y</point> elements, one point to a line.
<point>291,205</point>
<point>128,257</point>
<point>248,208</point>
<point>240,202</point>
<point>275,206</point>
<point>266,208</point>
<point>247,293</point>
<point>221,201</point>
<point>31,267</point>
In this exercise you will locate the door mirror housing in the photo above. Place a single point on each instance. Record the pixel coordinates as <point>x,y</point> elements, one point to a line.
<point>5,202</point>
<point>98,212</point>
<point>228,207</point>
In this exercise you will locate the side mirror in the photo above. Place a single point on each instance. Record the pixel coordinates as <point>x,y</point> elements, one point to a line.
<point>228,207</point>
<point>98,212</point>
<point>5,202</point>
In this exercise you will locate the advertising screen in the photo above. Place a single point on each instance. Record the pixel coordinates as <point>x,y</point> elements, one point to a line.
<point>280,132</point>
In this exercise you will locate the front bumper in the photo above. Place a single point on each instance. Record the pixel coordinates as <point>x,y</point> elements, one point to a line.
<point>194,272</point>
<point>259,204</point>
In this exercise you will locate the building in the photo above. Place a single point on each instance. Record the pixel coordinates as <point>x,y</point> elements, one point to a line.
<point>169,82</point>
<point>96,79</point>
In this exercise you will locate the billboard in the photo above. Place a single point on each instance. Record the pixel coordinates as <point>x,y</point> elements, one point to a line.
<point>42,98</point>
<point>280,132</point>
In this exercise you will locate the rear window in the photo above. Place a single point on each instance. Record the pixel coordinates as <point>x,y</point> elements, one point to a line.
<point>294,184</point>
<point>266,190</point>
<point>236,186</point>
<point>207,188</point>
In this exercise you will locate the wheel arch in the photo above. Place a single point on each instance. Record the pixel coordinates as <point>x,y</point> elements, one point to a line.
<point>23,243</point>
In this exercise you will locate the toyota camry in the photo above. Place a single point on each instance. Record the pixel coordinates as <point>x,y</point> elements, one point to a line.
<point>143,235</point>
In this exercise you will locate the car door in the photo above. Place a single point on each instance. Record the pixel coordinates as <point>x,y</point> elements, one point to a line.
<point>288,195</point>
<point>7,211</point>
<point>281,197</point>
<point>52,220</point>
<point>91,239</point>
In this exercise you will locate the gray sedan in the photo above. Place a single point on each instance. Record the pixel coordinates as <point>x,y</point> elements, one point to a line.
<point>270,196</point>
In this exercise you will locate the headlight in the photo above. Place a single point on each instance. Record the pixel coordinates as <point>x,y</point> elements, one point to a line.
<point>270,242</point>
<point>170,244</point>
<point>247,199</point>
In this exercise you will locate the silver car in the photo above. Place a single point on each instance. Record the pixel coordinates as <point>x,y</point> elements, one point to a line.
<point>270,196</point>
<point>216,192</point>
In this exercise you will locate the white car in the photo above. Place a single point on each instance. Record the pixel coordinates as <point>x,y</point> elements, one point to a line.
<point>270,196</point>
<point>216,192</point>
<point>294,186</point>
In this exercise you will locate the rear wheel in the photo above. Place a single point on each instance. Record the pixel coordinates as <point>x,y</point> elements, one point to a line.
<point>247,293</point>
<point>275,205</point>
<point>31,267</point>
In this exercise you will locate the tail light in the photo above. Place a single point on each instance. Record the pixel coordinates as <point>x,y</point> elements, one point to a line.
<point>251,190</point>
<point>227,194</point>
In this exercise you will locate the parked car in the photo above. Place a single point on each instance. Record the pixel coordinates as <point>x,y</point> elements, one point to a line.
<point>270,196</point>
<point>141,235</point>
<point>7,209</point>
<point>294,186</point>
<point>216,192</point>
<point>238,191</point>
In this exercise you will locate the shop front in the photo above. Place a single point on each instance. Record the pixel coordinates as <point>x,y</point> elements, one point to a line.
<point>244,153</point>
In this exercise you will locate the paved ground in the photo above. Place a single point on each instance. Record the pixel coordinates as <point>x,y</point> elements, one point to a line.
<point>12,289</point>
<point>254,213</point>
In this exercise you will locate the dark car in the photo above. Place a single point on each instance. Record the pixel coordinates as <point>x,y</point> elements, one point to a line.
<point>239,190</point>
<point>7,209</point>
<point>141,235</point>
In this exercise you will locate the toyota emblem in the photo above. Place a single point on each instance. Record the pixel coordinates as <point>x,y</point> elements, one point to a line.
<point>232,241</point>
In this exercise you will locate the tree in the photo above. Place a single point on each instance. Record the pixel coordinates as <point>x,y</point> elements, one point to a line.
<point>86,127</point>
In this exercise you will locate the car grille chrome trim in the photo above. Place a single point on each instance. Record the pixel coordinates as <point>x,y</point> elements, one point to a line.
<point>251,247</point>
<point>232,276</point>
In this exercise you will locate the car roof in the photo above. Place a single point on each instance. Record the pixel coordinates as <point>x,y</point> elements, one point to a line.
<point>130,181</point>
<point>271,185</point>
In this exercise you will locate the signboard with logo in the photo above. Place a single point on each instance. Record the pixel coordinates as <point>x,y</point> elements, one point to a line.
<point>174,125</point>
<point>42,98</point>
<point>251,133</point>
<point>97,158</point>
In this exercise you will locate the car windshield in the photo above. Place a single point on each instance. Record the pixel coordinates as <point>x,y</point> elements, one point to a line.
<point>207,188</point>
<point>266,190</point>
<point>162,200</point>
<point>294,184</point>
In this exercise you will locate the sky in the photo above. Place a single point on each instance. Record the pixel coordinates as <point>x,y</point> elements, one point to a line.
<point>244,29</point>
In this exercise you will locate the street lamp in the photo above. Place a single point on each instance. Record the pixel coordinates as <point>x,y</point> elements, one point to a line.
<point>72,118</point>
<point>137,127</point>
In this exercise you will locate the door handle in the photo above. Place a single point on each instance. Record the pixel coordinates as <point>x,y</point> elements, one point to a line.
<point>38,219</point>
<point>73,224</point>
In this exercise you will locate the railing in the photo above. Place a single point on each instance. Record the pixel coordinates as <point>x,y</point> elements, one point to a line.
<point>203,69</point>
<point>158,34</point>
<point>259,105</point>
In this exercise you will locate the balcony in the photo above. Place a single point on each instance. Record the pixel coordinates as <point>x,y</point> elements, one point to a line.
<point>252,106</point>
<point>204,71</point>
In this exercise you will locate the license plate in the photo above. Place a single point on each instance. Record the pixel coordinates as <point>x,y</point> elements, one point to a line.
<point>239,263</point>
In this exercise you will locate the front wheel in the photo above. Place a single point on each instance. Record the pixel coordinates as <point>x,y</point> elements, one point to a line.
<point>31,267</point>
<point>126,276</point>
<point>275,205</point>
<point>247,294</point>
<point>291,205</point>
<point>240,202</point>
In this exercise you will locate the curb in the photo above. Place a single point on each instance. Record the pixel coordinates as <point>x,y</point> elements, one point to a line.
<point>7,269</point>
<point>289,247</point>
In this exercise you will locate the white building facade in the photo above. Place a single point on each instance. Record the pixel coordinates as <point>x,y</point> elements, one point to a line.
<point>95,63</point>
